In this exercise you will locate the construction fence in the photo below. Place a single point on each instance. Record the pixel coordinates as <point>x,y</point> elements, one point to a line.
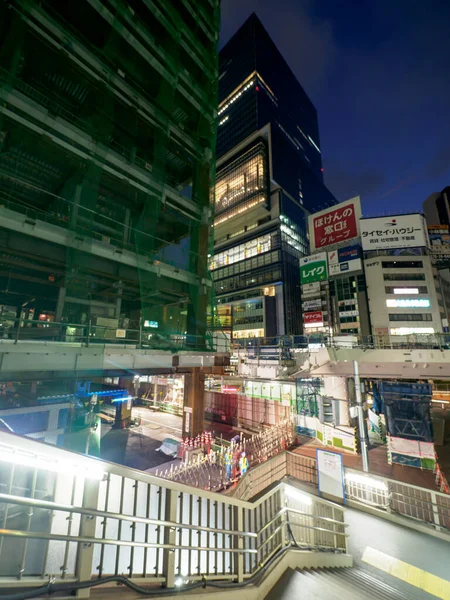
<point>225,463</point>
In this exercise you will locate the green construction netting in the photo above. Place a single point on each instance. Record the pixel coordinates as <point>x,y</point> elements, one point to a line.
<point>107,137</point>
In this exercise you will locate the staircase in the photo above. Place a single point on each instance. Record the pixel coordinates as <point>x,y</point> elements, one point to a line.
<point>338,584</point>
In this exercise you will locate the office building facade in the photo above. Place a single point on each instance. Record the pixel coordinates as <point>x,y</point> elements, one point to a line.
<point>269,178</point>
<point>107,136</point>
<point>403,286</point>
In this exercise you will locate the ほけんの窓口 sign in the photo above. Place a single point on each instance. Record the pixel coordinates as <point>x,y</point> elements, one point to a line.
<point>336,224</point>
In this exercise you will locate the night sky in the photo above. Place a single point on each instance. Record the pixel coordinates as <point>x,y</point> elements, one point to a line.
<point>378,72</point>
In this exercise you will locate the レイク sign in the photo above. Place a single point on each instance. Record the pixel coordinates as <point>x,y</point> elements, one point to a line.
<point>335,225</point>
<point>401,231</point>
<point>313,268</point>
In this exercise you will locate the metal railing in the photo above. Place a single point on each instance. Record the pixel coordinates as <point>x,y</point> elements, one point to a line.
<point>88,334</point>
<point>72,518</point>
<point>282,346</point>
<point>421,504</point>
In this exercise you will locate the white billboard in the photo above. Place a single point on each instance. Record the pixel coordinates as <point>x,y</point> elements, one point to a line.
<point>345,259</point>
<point>401,231</point>
<point>312,304</point>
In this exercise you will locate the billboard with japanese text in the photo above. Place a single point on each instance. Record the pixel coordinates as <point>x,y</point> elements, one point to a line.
<point>344,260</point>
<point>439,236</point>
<point>400,231</point>
<point>334,225</point>
<point>313,319</point>
<point>315,304</point>
<point>313,268</point>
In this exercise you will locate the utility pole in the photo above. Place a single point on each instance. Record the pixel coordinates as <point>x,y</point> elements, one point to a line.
<point>361,423</point>
<point>92,403</point>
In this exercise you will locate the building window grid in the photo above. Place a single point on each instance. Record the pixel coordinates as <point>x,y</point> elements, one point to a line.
<point>422,289</point>
<point>263,276</point>
<point>404,277</point>
<point>241,179</point>
<point>247,265</point>
<point>244,251</point>
<point>411,317</point>
<point>404,264</point>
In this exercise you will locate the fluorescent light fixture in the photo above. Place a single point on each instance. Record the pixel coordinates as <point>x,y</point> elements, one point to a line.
<point>408,303</point>
<point>406,290</point>
<point>123,399</point>
<point>292,492</point>
<point>367,481</point>
<point>27,459</point>
<point>411,330</point>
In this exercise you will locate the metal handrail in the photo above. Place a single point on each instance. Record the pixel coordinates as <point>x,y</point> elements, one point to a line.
<point>439,341</point>
<point>37,535</point>
<point>47,505</point>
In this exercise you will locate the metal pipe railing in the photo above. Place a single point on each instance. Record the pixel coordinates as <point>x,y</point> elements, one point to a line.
<point>131,522</point>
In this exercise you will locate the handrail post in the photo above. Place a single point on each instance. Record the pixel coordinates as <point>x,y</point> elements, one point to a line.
<point>18,331</point>
<point>238,543</point>
<point>89,332</point>
<point>170,538</point>
<point>85,552</point>
<point>436,519</point>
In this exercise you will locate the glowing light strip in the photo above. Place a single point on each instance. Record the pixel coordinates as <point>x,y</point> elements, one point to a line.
<point>314,144</point>
<point>66,467</point>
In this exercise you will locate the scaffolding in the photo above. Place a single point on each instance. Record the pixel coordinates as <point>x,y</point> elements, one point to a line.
<point>107,137</point>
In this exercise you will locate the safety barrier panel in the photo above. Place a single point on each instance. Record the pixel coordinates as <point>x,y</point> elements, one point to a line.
<point>70,518</point>
<point>209,471</point>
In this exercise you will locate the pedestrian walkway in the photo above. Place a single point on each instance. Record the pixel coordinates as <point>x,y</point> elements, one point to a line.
<point>378,464</point>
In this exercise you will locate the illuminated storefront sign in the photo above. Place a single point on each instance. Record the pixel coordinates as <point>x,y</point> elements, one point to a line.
<point>344,260</point>
<point>313,268</point>
<point>153,324</point>
<point>408,303</point>
<point>406,290</point>
<point>313,319</point>
<point>411,330</point>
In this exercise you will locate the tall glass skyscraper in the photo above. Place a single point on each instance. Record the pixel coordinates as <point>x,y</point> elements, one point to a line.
<point>269,178</point>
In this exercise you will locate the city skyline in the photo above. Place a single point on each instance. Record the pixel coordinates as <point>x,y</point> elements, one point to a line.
<point>383,61</point>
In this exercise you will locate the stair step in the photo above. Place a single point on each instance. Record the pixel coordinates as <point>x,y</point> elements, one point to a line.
<point>364,580</point>
<point>326,585</point>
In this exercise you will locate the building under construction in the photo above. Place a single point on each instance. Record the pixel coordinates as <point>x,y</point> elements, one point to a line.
<point>107,136</point>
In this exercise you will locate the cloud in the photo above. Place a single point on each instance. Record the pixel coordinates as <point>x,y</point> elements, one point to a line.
<point>440,163</point>
<point>306,43</point>
<point>346,183</point>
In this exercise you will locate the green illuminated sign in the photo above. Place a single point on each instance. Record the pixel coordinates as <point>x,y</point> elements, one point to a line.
<point>313,268</point>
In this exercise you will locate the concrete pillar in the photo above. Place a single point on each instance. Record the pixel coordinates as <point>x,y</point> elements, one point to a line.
<point>60,304</point>
<point>336,387</point>
<point>194,402</point>
<point>118,309</point>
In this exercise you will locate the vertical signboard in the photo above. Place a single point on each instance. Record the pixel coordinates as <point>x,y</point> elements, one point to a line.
<point>313,268</point>
<point>439,236</point>
<point>334,225</point>
<point>313,319</point>
<point>331,474</point>
<point>400,231</point>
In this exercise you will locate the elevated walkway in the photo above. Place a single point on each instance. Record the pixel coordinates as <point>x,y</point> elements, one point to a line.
<point>62,360</point>
<point>318,356</point>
